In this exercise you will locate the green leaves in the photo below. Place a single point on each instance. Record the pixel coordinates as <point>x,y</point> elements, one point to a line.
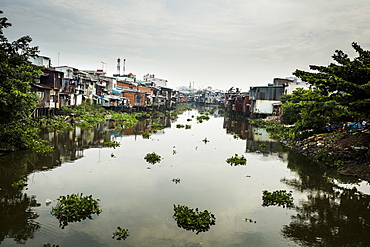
<point>17,102</point>
<point>152,158</point>
<point>75,207</point>
<point>278,197</point>
<point>345,81</point>
<point>236,160</point>
<point>120,233</point>
<point>111,144</point>
<point>193,219</point>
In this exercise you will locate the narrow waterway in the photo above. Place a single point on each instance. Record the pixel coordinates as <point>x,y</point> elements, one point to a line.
<point>329,209</point>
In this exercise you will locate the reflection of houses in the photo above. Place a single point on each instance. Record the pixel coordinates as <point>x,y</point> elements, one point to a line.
<point>259,141</point>
<point>233,125</point>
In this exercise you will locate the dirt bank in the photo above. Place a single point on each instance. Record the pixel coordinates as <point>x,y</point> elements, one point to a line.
<point>349,151</point>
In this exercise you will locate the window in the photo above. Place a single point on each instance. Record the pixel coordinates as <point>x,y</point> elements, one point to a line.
<point>138,99</point>
<point>40,94</point>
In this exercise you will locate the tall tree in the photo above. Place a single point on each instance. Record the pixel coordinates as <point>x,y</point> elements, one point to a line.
<point>345,81</point>
<point>17,75</point>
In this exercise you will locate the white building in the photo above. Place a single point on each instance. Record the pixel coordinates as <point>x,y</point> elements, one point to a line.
<point>41,61</point>
<point>156,81</point>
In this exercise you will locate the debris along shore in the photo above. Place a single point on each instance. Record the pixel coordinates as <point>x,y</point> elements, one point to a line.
<point>346,150</point>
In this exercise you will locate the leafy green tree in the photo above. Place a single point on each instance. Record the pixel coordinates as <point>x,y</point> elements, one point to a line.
<point>344,81</point>
<point>340,90</point>
<point>17,75</point>
<point>311,109</point>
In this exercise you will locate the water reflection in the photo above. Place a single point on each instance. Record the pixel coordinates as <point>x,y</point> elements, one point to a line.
<point>326,213</point>
<point>257,139</point>
<point>18,219</point>
<point>332,215</point>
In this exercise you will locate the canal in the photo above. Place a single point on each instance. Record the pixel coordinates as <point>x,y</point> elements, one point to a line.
<point>329,209</point>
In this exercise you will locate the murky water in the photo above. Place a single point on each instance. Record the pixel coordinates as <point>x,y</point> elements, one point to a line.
<point>330,210</point>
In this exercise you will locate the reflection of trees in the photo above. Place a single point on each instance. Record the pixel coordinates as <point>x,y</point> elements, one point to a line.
<point>17,220</point>
<point>332,215</point>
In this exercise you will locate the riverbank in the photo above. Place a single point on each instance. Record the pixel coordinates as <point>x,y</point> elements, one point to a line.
<point>347,151</point>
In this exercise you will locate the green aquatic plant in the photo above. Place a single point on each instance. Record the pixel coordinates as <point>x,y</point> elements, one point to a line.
<point>193,219</point>
<point>236,160</point>
<point>54,124</point>
<point>278,197</point>
<point>124,118</point>
<point>88,121</point>
<point>262,145</point>
<point>202,117</point>
<point>188,126</point>
<point>152,158</point>
<point>21,183</point>
<point>155,126</point>
<point>145,135</point>
<point>111,144</point>
<point>330,158</point>
<point>118,127</point>
<point>75,207</point>
<point>179,126</point>
<point>176,180</point>
<point>120,233</point>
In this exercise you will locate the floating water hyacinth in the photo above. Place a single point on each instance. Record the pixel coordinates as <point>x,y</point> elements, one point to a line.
<point>236,160</point>
<point>278,197</point>
<point>152,158</point>
<point>193,219</point>
<point>75,207</point>
<point>120,233</point>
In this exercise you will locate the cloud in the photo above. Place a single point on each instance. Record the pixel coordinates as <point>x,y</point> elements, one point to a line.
<point>211,41</point>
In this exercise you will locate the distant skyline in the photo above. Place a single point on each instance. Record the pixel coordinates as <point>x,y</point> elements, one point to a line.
<point>206,42</point>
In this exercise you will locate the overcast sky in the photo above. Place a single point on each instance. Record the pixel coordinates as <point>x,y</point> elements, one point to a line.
<point>218,43</point>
